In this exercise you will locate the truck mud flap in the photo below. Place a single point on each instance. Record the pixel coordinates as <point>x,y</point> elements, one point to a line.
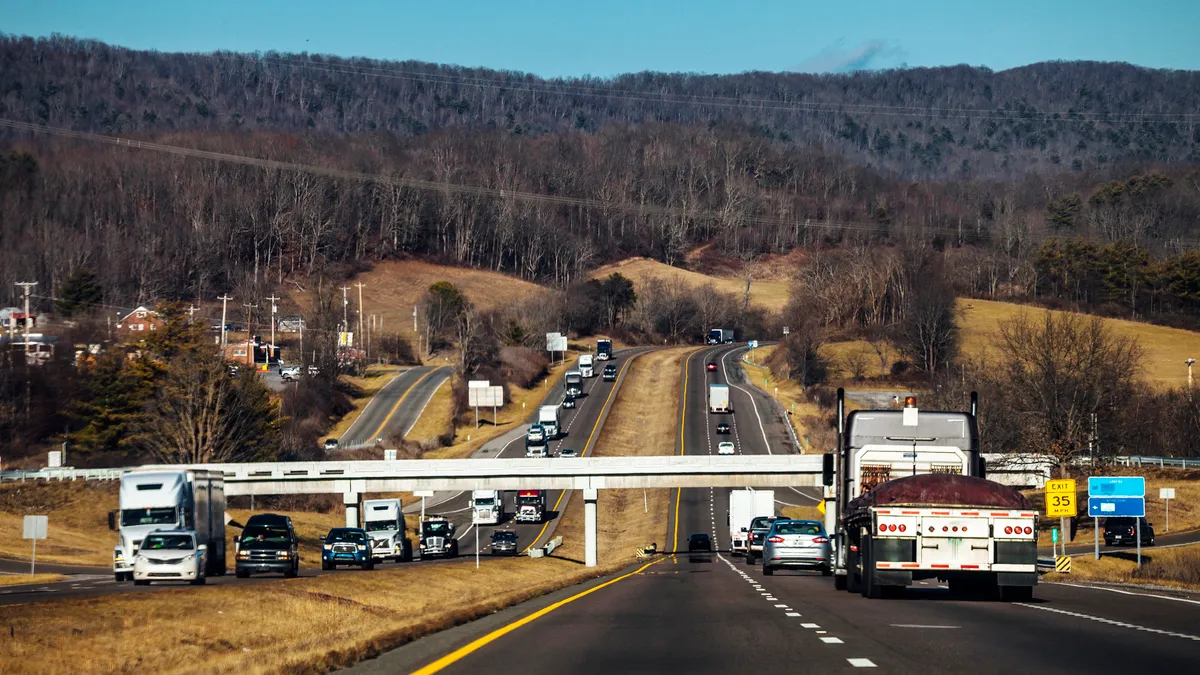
<point>1016,578</point>
<point>893,577</point>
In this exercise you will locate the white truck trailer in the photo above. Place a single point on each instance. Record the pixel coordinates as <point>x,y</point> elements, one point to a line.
<point>487,507</point>
<point>718,398</point>
<point>383,519</point>
<point>745,506</point>
<point>548,417</point>
<point>174,499</point>
<point>587,365</point>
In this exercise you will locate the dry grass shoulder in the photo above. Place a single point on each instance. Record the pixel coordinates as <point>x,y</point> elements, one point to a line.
<point>376,378</point>
<point>77,532</point>
<point>29,579</point>
<point>1163,348</point>
<point>437,418</point>
<point>1185,508</point>
<point>521,404</point>
<point>1177,567</point>
<point>770,292</point>
<point>802,513</point>
<point>805,415</point>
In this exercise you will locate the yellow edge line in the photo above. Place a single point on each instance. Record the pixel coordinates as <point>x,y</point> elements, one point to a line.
<point>459,653</point>
<point>586,445</point>
<point>403,396</point>
<point>682,430</point>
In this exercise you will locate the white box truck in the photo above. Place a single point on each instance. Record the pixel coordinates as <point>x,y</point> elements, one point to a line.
<point>718,398</point>
<point>487,507</point>
<point>170,499</point>
<point>548,418</point>
<point>745,506</point>
<point>587,365</point>
<point>383,519</point>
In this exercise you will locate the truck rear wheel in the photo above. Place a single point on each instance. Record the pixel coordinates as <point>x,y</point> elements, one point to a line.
<point>749,558</point>
<point>839,582</point>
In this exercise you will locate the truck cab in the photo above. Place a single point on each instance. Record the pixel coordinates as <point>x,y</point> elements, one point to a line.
<point>487,507</point>
<point>268,543</point>
<point>437,538</point>
<point>587,365</point>
<point>383,519</point>
<point>531,506</point>
<point>603,349</point>
<point>715,337</point>
<point>548,418</point>
<point>573,381</point>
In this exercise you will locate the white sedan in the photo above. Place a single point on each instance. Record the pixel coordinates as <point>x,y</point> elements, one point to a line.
<point>725,448</point>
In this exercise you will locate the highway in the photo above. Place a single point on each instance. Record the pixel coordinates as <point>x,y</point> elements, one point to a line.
<point>395,407</point>
<point>716,615</point>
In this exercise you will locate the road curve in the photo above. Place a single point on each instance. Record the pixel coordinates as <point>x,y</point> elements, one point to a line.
<point>396,406</point>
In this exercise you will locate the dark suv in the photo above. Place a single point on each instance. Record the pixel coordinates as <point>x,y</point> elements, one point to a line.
<point>268,544</point>
<point>610,373</point>
<point>1119,531</point>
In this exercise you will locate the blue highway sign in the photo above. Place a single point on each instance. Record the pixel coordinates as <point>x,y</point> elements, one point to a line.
<point>1117,486</point>
<point>1105,507</point>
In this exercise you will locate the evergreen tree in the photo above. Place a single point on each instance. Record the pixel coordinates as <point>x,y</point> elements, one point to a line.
<point>80,293</point>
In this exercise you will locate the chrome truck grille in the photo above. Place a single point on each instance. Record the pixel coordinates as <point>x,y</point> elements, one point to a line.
<point>343,548</point>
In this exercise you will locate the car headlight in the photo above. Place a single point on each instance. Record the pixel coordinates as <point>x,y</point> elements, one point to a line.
<point>284,554</point>
<point>328,547</point>
<point>243,554</point>
<point>362,547</point>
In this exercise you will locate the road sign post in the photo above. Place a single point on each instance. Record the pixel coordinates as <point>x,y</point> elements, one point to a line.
<point>1167,494</point>
<point>34,528</point>
<point>1054,541</point>
<point>1061,502</point>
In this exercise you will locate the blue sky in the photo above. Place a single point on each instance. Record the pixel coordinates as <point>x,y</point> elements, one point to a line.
<point>556,38</point>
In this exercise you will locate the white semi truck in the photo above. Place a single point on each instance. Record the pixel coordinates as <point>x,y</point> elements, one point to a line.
<point>487,507</point>
<point>173,499</point>
<point>745,506</point>
<point>587,365</point>
<point>913,503</point>
<point>383,519</point>
<point>573,381</point>
<point>548,417</point>
<point>718,398</point>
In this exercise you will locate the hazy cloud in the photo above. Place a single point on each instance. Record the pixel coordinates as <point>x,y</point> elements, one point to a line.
<point>869,55</point>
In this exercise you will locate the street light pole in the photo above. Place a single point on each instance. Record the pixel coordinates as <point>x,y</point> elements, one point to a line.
<point>274,309</point>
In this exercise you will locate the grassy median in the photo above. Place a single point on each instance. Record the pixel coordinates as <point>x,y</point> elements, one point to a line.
<point>29,579</point>
<point>317,624</point>
<point>1177,567</point>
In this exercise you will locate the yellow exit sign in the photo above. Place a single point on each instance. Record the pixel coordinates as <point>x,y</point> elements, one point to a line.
<point>1060,498</point>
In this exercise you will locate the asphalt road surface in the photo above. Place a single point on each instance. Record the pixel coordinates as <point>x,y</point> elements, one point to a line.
<point>582,426</point>
<point>395,407</point>
<point>715,614</point>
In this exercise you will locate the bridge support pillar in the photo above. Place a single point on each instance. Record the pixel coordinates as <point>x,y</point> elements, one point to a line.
<point>589,527</point>
<point>352,501</point>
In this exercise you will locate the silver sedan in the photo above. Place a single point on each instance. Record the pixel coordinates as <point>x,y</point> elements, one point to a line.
<point>796,543</point>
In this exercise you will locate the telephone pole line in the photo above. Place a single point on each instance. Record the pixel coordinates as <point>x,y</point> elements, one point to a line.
<point>345,310</point>
<point>361,335</point>
<point>274,308</point>
<point>224,305</point>
<point>27,286</point>
<point>192,311</point>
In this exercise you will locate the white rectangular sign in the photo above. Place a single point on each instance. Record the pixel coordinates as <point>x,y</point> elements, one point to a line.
<point>556,342</point>
<point>477,393</point>
<point>55,459</point>
<point>35,527</point>
<point>1166,493</point>
<point>423,493</point>
<point>389,455</point>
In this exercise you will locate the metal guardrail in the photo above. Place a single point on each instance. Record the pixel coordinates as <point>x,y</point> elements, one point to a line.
<point>1159,462</point>
<point>65,473</point>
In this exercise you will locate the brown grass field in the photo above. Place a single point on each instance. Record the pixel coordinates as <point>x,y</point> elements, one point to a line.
<point>29,579</point>
<point>437,417</point>
<point>1177,567</point>
<point>769,292</point>
<point>318,624</point>
<point>77,532</point>
<point>805,414</point>
<point>369,384</point>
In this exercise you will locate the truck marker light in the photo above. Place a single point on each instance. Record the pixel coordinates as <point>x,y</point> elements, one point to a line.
<point>902,528</point>
<point>945,529</point>
<point>1028,530</point>
<point>1008,529</point>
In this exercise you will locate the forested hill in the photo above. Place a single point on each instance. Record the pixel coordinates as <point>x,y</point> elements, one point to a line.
<point>955,122</point>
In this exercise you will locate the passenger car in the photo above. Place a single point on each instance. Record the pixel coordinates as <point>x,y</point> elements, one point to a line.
<point>723,428</point>
<point>504,541</point>
<point>536,433</point>
<point>758,532</point>
<point>268,543</point>
<point>332,444</point>
<point>568,452</point>
<point>289,373</point>
<point>167,555</point>
<point>610,373</point>
<point>700,541</point>
<point>1119,531</point>
<point>346,546</point>
<point>712,366</point>
<point>725,448</point>
<point>568,400</point>
<point>796,543</point>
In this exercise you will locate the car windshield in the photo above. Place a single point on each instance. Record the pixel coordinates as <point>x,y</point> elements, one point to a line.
<point>798,528</point>
<point>485,501</point>
<point>568,453</point>
<point>345,535</point>
<point>173,542</point>
<point>437,528</point>
<point>760,523</point>
<point>1119,522</point>
<point>699,537</point>
<point>504,536</point>
<point>378,525</point>
<point>265,533</point>
<point>163,516</point>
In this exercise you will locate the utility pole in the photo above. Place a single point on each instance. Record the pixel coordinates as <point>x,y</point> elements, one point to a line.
<point>274,309</point>
<point>249,318</point>
<point>345,310</point>
<point>192,311</point>
<point>27,286</point>
<point>1189,363</point>
<point>224,305</point>
<point>361,335</point>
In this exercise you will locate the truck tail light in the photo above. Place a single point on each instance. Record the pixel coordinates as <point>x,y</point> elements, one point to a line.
<point>776,539</point>
<point>883,527</point>
<point>1028,530</point>
<point>1008,529</point>
<point>902,528</point>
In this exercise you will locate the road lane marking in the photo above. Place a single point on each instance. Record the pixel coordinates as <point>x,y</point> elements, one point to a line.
<point>458,654</point>
<point>810,625</point>
<point>832,641</point>
<point>682,442</point>
<point>862,663</point>
<point>780,606</point>
<point>392,413</point>
<point>919,625</point>
<point>1111,622</point>
<point>423,407</point>
<point>1125,592</point>
<point>793,614</point>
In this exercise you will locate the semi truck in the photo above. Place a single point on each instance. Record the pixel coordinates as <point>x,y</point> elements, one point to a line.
<point>587,365</point>
<point>172,499</point>
<point>536,448</point>
<point>548,417</point>
<point>717,336</point>
<point>487,507</point>
<point>574,382</point>
<point>913,503</point>
<point>718,398</point>
<point>531,506</point>
<point>383,519</point>
<point>437,538</point>
<point>744,507</point>
<point>603,349</point>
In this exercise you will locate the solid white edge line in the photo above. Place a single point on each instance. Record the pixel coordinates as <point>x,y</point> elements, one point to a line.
<point>1123,591</point>
<point>424,406</point>
<point>1111,622</point>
